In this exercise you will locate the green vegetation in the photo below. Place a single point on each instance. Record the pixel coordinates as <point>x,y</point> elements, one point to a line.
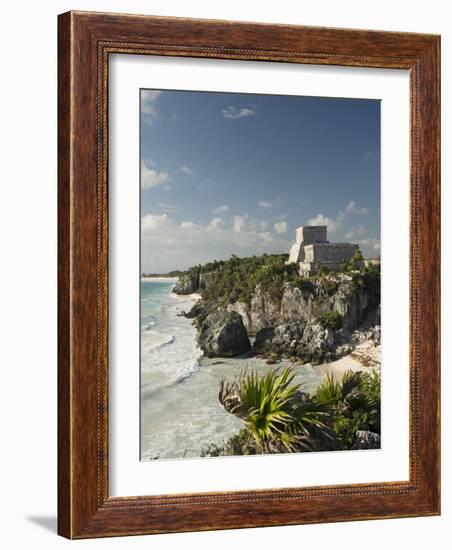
<point>356,404</point>
<point>356,262</point>
<point>369,281</point>
<point>174,273</point>
<point>276,262</point>
<point>304,284</point>
<point>239,444</point>
<point>236,279</point>
<point>276,418</point>
<point>332,320</point>
<point>280,417</point>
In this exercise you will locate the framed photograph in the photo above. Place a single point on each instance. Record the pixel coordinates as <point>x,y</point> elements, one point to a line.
<point>248,275</point>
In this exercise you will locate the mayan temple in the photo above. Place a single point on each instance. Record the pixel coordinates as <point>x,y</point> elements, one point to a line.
<point>311,250</point>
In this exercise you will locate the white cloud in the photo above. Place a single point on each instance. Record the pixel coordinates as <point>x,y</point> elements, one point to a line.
<point>352,208</point>
<point>156,222</point>
<point>148,107</point>
<point>331,224</point>
<point>150,177</point>
<point>374,243</point>
<point>239,223</point>
<point>190,225</point>
<point>265,236</point>
<point>361,230</point>
<point>280,227</point>
<point>369,246</point>
<point>263,225</point>
<point>215,223</point>
<point>186,170</point>
<point>167,244</point>
<point>238,112</point>
<point>221,209</point>
<point>264,204</point>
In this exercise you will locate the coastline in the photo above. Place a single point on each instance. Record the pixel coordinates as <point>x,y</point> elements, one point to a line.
<point>199,420</point>
<point>337,368</point>
<point>159,279</point>
<point>364,357</point>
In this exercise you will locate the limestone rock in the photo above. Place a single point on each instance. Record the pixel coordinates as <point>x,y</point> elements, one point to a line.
<point>197,310</point>
<point>264,310</point>
<point>291,322</point>
<point>309,342</point>
<point>357,304</point>
<point>187,284</point>
<point>221,333</point>
<point>297,304</point>
<point>364,439</point>
<point>263,341</point>
<point>244,311</point>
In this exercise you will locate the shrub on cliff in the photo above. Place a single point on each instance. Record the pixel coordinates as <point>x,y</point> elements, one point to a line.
<point>304,284</point>
<point>236,279</point>
<point>356,262</point>
<point>332,320</point>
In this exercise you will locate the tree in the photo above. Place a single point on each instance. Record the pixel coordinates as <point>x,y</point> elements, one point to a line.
<point>356,262</point>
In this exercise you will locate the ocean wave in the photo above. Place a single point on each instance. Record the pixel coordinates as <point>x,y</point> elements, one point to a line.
<point>153,340</point>
<point>153,388</point>
<point>149,323</point>
<point>190,369</point>
<point>169,350</point>
<point>164,365</point>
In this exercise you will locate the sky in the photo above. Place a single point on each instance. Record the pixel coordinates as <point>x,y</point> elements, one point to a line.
<point>227,173</point>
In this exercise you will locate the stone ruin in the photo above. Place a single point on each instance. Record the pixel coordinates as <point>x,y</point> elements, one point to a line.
<point>312,251</point>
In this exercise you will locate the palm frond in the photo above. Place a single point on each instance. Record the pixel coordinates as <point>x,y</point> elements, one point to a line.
<point>275,415</point>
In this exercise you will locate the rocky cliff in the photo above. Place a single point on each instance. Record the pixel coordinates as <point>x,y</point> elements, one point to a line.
<point>188,283</point>
<point>221,333</point>
<point>355,297</point>
<point>312,320</point>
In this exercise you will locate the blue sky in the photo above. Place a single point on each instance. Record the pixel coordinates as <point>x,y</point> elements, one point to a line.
<point>225,173</point>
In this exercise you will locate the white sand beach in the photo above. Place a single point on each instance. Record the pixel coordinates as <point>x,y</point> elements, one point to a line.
<point>365,357</point>
<point>159,279</point>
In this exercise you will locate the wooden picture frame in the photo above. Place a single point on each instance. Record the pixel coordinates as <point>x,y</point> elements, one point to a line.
<point>85,42</point>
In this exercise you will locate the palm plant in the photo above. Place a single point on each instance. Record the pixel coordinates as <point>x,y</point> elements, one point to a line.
<point>277,415</point>
<point>371,386</point>
<point>355,401</point>
<point>329,391</point>
<point>339,392</point>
